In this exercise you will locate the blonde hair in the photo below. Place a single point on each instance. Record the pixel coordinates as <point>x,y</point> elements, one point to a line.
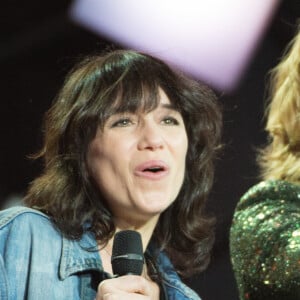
<point>280,158</point>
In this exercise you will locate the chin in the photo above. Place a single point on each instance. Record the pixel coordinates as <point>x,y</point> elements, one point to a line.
<point>154,211</point>
<point>153,206</point>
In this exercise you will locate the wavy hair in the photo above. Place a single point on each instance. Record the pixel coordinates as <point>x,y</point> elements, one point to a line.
<point>125,80</point>
<point>279,159</point>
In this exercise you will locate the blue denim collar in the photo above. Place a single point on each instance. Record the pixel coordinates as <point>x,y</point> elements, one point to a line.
<point>78,256</point>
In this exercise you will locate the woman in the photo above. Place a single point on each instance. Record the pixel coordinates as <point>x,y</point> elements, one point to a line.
<point>265,233</point>
<point>129,144</point>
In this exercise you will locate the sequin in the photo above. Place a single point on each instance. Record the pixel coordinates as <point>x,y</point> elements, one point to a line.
<point>265,242</point>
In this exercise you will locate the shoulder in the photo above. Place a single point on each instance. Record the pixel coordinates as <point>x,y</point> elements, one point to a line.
<point>21,214</point>
<point>16,213</point>
<point>20,221</point>
<point>269,202</point>
<point>270,191</point>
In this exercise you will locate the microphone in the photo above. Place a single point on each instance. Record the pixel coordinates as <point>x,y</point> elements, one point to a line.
<point>127,253</point>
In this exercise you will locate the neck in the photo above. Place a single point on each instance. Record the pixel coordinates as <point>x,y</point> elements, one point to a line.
<point>145,229</point>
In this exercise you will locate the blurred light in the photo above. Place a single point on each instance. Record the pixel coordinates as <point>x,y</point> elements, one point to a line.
<point>210,40</point>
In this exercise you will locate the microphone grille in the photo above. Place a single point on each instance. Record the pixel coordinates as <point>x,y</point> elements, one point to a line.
<point>127,254</point>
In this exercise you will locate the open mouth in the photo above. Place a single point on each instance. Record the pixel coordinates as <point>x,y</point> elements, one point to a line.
<point>152,169</point>
<point>155,169</point>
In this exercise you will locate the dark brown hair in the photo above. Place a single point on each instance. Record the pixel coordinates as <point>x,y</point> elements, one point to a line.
<point>127,81</point>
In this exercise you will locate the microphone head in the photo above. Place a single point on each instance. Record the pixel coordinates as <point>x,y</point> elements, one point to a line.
<point>127,254</point>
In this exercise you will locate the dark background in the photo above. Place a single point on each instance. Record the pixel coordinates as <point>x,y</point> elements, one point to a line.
<point>38,46</point>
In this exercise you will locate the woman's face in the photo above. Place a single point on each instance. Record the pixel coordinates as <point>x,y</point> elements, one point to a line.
<point>138,162</point>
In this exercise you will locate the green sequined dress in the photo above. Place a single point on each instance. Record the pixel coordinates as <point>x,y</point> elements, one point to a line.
<point>265,242</point>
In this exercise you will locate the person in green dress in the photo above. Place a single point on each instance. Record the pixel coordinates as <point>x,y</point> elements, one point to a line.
<point>265,232</point>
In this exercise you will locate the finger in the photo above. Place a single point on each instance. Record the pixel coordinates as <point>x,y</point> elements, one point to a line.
<point>126,296</point>
<point>128,283</point>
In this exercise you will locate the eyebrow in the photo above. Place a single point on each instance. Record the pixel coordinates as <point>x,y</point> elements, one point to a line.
<point>169,106</point>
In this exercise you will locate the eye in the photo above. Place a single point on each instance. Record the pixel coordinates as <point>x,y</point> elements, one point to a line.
<point>123,122</point>
<point>170,121</point>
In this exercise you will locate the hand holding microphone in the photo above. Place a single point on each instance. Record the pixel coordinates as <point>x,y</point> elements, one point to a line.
<point>127,264</point>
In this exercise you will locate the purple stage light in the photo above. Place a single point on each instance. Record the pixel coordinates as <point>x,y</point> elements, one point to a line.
<point>210,40</point>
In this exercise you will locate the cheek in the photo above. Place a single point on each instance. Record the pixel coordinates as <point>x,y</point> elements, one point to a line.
<point>95,161</point>
<point>184,150</point>
<point>180,147</point>
<point>181,144</point>
<point>104,164</point>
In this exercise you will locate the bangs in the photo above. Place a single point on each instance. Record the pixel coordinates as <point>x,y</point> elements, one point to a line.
<point>135,98</point>
<point>129,95</point>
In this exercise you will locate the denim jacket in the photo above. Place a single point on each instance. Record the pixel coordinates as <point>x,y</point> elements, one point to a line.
<point>37,262</point>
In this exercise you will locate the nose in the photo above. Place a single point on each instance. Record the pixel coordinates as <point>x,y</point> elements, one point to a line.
<point>151,137</point>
